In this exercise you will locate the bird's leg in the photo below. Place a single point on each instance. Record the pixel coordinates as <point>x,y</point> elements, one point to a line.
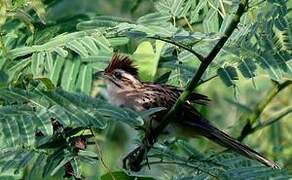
<point>134,159</point>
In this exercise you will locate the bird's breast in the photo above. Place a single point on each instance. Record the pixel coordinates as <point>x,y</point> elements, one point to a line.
<point>124,98</point>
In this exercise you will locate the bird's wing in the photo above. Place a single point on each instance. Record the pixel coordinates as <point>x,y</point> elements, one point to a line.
<point>156,95</point>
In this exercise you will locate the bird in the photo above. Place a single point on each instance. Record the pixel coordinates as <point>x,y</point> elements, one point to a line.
<point>125,89</point>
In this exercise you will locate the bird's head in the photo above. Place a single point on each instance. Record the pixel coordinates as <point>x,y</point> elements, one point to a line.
<point>121,73</point>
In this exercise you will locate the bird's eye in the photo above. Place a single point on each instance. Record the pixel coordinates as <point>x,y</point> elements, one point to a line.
<point>118,75</point>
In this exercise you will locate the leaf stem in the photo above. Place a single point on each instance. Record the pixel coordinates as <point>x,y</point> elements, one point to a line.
<point>272,120</point>
<point>199,56</point>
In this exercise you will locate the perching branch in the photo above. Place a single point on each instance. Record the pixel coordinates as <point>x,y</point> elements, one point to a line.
<point>252,118</point>
<point>134,159</point>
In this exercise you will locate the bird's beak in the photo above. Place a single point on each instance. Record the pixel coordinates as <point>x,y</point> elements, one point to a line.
<point>99,74</point>
<point>103,75</point>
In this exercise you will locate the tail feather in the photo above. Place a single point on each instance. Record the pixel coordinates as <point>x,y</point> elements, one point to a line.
<point>229,142</point>
<point>205,129</point>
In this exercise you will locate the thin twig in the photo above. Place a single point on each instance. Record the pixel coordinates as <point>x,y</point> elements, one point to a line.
<point>100,154</point>
<point>181,164</point>
<point>206,80</point>
<point>199,56</point>
<point>272,120</point>
<point>188,23</point>
<point>252,118</point>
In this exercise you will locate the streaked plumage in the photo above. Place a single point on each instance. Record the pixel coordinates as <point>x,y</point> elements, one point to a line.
<point>126,90</point>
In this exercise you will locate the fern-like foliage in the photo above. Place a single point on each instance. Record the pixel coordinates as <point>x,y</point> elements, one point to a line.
<point>46,128</point>
<point>190,163</point>
<point>47,118</point>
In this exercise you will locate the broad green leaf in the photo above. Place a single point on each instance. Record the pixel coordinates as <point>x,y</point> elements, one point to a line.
<point>26,130</point>
<point>147,59</point>
<point>11,131</point>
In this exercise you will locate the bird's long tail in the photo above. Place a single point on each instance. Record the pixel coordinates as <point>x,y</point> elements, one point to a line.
<point>204,128</point>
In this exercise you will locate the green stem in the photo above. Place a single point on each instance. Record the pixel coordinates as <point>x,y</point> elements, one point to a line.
<point>252,118</point>
<point>134,158</point>
<point>202,68</point>
<point>272,120</point>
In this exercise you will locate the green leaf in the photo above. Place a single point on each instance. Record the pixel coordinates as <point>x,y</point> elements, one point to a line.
<point>27,157</point>
<point>118,41</point>
<point>3,79</point>
<point>61,52</point>
<point>3,15</point>
<point>61,164</point>
<point>47,82</point>
<point>53,161</point>
<point>37,64</point>
<point>49,63</point>
<point>84,81</point>
<point>77,47</point>
<point>43,123</point>
<point>154,18</point>
<point>90,45</point>
<point>37,166</point>
<point>70,74</point>
<point>247,68</point>
<point>211,23</point>
<point>56,71</point>
<point>147,59</point>
<point>195,13</point>
<point>228,74</point>
<point>39,7</point>
<point>76,168</point>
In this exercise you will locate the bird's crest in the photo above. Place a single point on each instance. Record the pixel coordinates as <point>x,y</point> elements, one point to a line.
<point>122,62</point>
